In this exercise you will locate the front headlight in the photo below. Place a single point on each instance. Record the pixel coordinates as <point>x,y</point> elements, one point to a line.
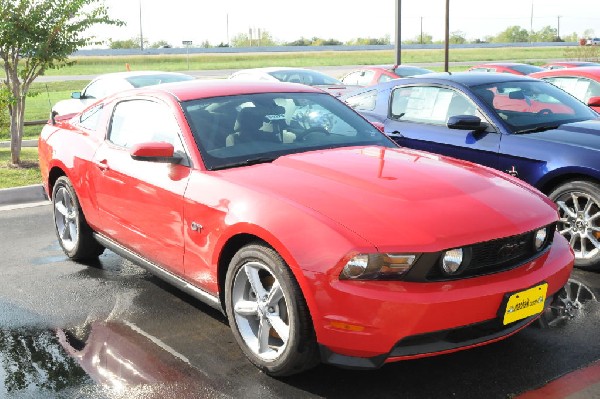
<point>377,266</point>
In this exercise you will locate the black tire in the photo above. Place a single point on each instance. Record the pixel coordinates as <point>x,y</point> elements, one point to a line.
<point>74,235</point>
<point>579,210</point>
<point>252,280</point>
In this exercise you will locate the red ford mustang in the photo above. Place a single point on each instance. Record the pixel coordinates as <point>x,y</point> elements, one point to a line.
<point>318,237</point>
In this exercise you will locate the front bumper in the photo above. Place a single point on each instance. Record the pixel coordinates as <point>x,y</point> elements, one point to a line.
<point>364,324</point>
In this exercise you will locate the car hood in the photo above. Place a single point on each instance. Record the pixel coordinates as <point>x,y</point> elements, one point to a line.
<point>581,134</point>
<point>401,199</point>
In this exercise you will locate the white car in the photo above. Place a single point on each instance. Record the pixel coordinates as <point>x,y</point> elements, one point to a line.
<point>304,76</point>
<point>593,41</point>
<point>110,83</point>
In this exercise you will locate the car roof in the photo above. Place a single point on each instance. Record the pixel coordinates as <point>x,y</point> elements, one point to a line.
<point>465,79</point>
<point>469,78</point>
<point>129,74</point>
<point>589,71</point>
<point>196,89</point>
<point>506,64</point>
<point>275,69</point>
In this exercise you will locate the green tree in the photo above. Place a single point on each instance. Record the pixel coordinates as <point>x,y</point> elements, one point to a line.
<point>546,34</point>
<point>264,39</point>
<point>457,37</point>
<point>36,35</point>
<point>368,41</point>
<point>161,44</point>
<point>425,39</point>
<point>512,34</point>
<point>132,43</point>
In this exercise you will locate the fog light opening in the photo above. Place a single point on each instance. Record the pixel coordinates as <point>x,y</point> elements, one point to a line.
<point>452,261</point>
<point>540,238</point>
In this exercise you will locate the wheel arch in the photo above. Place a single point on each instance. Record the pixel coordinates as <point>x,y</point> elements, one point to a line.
<point>53,175</point>
<point>550,184</point>
<point>241,239</point>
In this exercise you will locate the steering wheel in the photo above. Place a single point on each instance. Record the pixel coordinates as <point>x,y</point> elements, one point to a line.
<point>313,133</point>
<point>545,111</point>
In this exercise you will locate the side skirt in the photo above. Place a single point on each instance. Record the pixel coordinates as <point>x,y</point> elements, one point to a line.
<point>161,273</point>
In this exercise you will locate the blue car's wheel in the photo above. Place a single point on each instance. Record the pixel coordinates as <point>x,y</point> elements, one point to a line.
<point>579,209</point>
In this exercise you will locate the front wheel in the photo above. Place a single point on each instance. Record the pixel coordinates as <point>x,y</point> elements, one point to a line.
<point>74,234</point>
<point>267,312</point>
<point>579,220</point>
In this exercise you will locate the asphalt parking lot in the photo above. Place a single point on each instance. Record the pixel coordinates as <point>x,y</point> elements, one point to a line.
<point>110,329</point>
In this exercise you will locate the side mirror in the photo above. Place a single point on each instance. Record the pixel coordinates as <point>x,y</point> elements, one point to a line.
<point>76,95</point>
<point>155,152</point>
<point>594,102</point>
<point>465,122</point>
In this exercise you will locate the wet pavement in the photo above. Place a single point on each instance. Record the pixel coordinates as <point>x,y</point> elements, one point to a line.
<point>111,330</point>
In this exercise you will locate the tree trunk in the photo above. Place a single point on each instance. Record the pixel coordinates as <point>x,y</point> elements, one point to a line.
<point>17,118</point>
<point>16,131</point>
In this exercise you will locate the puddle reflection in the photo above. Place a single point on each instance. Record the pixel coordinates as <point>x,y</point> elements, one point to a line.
<point>575,301</point>
<point>99,360</point>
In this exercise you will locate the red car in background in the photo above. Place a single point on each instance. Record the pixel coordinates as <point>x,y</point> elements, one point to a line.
<point>569,64</point>
<point>368,76</point>
<point>506,67</point>
<point>582,83</point>
<point>317,236</point>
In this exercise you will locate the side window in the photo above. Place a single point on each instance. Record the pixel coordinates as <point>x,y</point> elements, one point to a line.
<point>363,101</point>
<point>366,78</point>
<point>430,104</point>
<point>105,87</point>
<point>139,121</point>
<point>94,89</point>
<point>358,78</point>
<point>580,88</point>
<point>384,78</point>
<point>90,118</point>
<point>351,78</point>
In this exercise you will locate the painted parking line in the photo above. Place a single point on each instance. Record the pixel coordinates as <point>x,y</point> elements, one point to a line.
<point>23,206</point>
<point>580,384</point>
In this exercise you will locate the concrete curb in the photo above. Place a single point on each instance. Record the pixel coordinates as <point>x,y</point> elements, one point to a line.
<point>22,195</point>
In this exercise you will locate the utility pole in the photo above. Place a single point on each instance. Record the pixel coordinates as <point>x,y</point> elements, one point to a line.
<point>531,24</point>
<point>558,28</point>
<point>398,33</point>
<point>447,39</point>
<point>141,34</point>
<point>421,30</point>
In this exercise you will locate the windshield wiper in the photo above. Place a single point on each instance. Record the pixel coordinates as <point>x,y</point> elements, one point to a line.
<point>247,162</point>
<point>537,129</point>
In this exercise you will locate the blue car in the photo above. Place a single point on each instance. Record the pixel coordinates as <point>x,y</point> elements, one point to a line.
<point>522,126</point>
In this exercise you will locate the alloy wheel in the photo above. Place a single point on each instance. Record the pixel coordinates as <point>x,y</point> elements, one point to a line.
<point>260,309</point>
<point>65,218</point>
<point>579,223</point>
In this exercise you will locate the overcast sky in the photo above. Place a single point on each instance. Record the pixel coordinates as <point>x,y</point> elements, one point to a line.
<point>220,20</point>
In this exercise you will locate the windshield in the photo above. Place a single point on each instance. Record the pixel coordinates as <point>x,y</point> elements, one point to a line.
<point>307,77</point>
<point>529,105</point>
<point>407,71</point>
<point>239,130</point>
<point>527,69</point>
<point>151,80</point>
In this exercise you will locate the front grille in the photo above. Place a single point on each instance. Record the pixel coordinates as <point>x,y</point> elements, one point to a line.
<point>496,255</point>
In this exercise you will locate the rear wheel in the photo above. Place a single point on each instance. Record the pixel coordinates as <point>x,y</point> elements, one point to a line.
<point>267,312</point>
<point>74,234</point>
<point>579,220</point>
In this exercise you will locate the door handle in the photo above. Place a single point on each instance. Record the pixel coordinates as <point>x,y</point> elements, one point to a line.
<point>102,165</point>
